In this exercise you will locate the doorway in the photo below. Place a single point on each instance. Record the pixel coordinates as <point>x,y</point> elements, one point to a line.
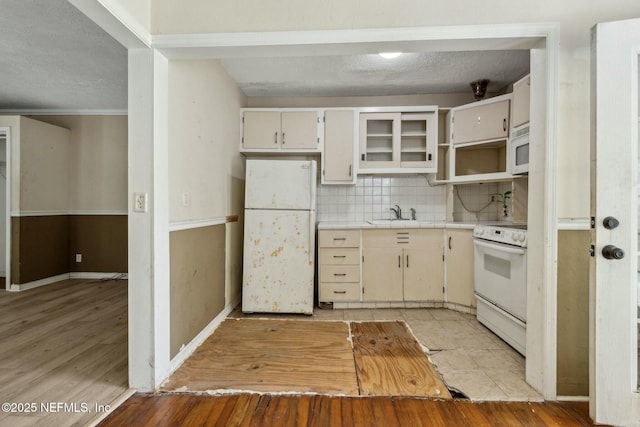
<point>5,209</point>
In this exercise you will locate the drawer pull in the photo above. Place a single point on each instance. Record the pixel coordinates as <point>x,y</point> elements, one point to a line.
<point>339,274</point>
<point>339,292</point>
<point>339,256</point>
<point>399,262</point>
<point>339,238</point>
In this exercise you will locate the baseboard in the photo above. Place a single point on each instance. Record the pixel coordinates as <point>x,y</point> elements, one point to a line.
<point>60,277</point>
<point>572,398</point>
<point>97,276</point>
<point>187,350</point>
<point>37,283</point>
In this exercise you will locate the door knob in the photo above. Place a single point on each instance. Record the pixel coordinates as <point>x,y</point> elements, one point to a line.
<point>610,223</point>
<point>612,252</point>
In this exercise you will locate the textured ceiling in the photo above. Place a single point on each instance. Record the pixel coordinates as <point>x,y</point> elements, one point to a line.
<point>52,57</point>
<point>363,75</point>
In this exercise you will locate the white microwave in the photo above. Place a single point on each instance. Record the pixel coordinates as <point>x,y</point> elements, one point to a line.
<point>520,152</point>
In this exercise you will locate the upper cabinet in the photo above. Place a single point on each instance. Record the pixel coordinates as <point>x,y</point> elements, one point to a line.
<point>521,97</point>
<point>398,140</point>
<point>473,123</point>
<point>478,141</point>
<point>281,130</point>
<point>339,147</point>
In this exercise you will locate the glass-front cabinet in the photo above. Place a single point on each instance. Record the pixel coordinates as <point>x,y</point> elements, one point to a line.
<point>399,141</point>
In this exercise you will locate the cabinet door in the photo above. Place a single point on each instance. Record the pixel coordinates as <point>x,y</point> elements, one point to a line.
<point>484,122</point>
<point>339,141</point>
<point>382,274</point>
<point>521,97</point>
<point>261,129</point>
<point>299,130</point>
<point>379,133</point>
<point>418,141</point>
<point>424,267</point>
<point>459,261</point>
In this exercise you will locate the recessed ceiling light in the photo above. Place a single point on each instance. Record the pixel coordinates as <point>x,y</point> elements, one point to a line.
<point>390,55</point>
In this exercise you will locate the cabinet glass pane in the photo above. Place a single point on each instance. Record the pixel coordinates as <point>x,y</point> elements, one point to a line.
<point>379,140</point>
<point>413,141</point>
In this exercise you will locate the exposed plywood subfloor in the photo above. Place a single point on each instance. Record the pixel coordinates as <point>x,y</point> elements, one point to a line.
<point>310,357</point>
<point>271,356</point>
<point>390,362</point>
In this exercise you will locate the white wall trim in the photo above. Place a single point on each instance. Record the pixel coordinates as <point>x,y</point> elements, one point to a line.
<point>58,213</point>
<point>64,112</point>
<point>98,275</point>
<point>117,22</point>
<point>38,213</point>
<point>501,36</point>
<point>188,225</point>
<point>187,350</point>
<point>105,212</point>
<point>573,398</point>
<point>565,224</point>
<point>61,277</point>
<point>38,283</point>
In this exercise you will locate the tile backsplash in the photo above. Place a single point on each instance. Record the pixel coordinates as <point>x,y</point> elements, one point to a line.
<point>374,195</point>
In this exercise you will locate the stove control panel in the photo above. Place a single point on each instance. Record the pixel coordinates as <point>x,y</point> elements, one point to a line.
<point>509,236</point>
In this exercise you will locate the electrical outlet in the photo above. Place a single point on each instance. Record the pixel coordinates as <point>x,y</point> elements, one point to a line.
<point>78,257</point>
<point>140,202</point>
<point>186,199</point>
<point>493,197</point>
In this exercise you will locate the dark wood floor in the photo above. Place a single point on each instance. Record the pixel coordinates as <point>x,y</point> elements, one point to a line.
<point>320,410</point>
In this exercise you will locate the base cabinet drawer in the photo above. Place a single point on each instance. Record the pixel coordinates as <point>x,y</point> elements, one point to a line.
<point>339,238</point>
<point>339,292</point>
<point>339,256</point>
<point>340,273</point>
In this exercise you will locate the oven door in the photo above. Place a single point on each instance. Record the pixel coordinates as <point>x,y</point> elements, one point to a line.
<point>501,276</point>
<point>520,154</point>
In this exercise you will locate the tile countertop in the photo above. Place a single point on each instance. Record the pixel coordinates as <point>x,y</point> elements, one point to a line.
<point>331,225</point>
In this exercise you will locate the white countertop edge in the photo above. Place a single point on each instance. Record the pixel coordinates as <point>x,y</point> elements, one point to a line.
<point>396,224</point>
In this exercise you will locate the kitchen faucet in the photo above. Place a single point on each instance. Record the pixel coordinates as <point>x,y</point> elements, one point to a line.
<point>397,211</point>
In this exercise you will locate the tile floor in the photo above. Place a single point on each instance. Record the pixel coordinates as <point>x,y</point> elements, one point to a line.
<point>470,358</point>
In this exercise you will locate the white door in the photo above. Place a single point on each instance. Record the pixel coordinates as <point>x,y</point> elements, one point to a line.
<point>280,184</point>
<point>278,261</point>
<point>614,397</point>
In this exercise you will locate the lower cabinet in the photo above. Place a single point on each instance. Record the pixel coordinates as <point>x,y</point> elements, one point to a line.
<point>402,265</point>
<point>339,265</point>
<point>459,262</point>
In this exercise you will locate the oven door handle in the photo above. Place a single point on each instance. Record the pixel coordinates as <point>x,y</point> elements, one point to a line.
<point>501,248</point>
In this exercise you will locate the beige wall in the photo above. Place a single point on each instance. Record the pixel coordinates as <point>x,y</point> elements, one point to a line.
<point>573,313</point>
<point>441,100</point>
<point>204,136</point>
<point>197,281</point>
<point>44,166</point>
<point>97,160</point>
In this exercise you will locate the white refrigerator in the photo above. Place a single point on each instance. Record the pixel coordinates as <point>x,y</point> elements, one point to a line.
<point>279,236</point>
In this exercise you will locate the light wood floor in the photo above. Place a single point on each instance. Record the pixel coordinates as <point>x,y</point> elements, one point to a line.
<point>65,342</point>
<point>282,411</point>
